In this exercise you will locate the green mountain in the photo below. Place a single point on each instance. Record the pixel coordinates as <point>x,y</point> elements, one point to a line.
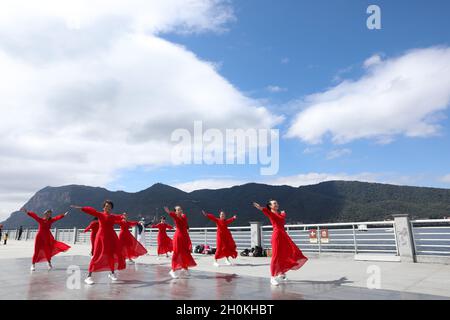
<point>334,201</point>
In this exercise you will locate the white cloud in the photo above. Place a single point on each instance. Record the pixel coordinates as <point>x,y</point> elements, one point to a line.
<point>337,153</point>
<point>88,88</point>
<point>398,96</point>
<point>445,179</point>
<point>275,89</point>
<point>373,60</point>
<point>208,184</point>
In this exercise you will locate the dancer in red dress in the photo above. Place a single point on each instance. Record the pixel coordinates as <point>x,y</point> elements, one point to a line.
<point>93,227</point>
<point>45,245</point>
<point>182,245</point>
<point>164,242</point>
<point>131,248</point>
<point>225,245</point>
<point>107,250</point>
<point>285,254</point>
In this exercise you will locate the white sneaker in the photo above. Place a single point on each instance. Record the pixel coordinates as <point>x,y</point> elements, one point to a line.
<point>33,268</point>
<point>186,272</point>
<point>216,264</point>
<point>273,281</point>
<point>173,274</point>
<point>112,276</point>
<point>228,262</point>
<point>89,280</point>
<point>283,277</point>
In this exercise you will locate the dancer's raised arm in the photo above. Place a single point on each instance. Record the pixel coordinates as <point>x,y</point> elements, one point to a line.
<point>257,206</point>
<point>59,217</point>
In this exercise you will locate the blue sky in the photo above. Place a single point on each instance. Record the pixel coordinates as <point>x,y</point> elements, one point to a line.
<point>302,47</point>
<point>92,93</point>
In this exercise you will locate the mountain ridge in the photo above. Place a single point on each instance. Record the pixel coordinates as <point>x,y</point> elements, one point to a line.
<point>330,201</point>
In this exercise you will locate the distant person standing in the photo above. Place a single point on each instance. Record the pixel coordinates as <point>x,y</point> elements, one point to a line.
<point>1,231</point>
<point>5,240</point>
<point>141,232</point>
<point>19,234</point>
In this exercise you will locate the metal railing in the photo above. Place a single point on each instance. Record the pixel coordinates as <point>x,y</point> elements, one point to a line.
<point>358,237</point>
<point>205,236</point>
<point>431,237</point>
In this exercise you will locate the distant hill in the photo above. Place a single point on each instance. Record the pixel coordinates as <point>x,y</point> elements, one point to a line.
<point>334,201</point>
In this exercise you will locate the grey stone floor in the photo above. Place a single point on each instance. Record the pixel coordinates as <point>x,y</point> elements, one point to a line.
<point>152,282</point>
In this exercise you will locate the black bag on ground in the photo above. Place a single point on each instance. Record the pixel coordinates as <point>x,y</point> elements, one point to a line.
<point>199,248</point>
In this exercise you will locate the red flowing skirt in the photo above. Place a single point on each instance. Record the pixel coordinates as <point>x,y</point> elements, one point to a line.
<point>45,247</point>
<point>182,248</point>
<point>93,235</point>
<point>131,248</point>
<point>285,254</point>
<point>164,243</point>
<point>107,252</point>
<point>226,247</point>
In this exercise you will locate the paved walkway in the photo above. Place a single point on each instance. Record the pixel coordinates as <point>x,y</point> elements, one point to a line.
<point>328,277</point>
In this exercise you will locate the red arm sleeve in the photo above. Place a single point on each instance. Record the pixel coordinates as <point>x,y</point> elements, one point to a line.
<point>59,217</point>
<point>132,223</point>
<point>267,212</point>
<point>34,216</point>
<point>91,211</point>
<point>89,227</point>
<point>211,217</point>
<point>173,215</point>
<point>228,221</point>
<point>169,226</point>
<point>154,226</point>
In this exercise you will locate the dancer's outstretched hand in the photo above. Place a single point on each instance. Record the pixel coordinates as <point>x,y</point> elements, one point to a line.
<point>166,210</point>
<point>235,216</point>
<point>257,206</point>
<point>75,207</point>
<point>24,210</point>
<point>204,213</point>
<point>65,214</point>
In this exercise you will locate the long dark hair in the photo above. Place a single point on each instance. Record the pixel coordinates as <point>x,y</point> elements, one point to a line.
<point>268,203</point>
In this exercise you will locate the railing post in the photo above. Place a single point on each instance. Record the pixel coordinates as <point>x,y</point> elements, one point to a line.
<point>255,234</point>
<point>405,244</point>
<point>318,239</point>
<point>75,235</point>
<point>27,234</point>
<point>206,237</point>
<point>354,239</point>
<point>56,233</point>
<point>134,231</point>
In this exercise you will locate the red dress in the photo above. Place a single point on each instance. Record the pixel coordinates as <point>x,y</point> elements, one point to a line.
<point>164,242</point>
<point>182,245</point>
<point>285,254</point>
<point>45,245</point>
<point>107,250</point>
<point>93,227</point>
<point>226,247</point>
<point>131,248</point>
